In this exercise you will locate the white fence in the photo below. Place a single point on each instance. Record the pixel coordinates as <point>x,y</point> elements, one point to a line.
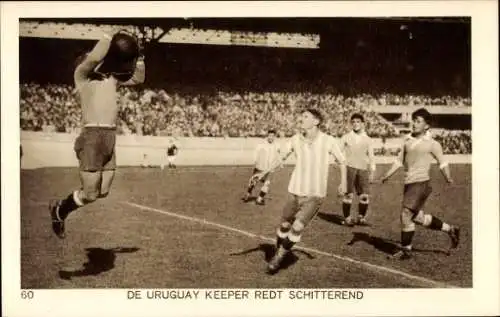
<point>42,149</point>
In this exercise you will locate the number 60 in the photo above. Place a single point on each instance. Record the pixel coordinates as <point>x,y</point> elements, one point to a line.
<point>27,294</point>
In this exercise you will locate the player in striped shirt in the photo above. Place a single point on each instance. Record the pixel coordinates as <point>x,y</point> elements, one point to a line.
<point>112,62</point>
<point>265,154</point>
<point>308,184</point>
<point>418,152</point>
<point>358,150</point>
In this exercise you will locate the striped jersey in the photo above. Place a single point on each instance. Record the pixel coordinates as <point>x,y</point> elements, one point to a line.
<point>310,175</point>
<point>358,150</point>
<point>417,156</point>
<point>266,154</point>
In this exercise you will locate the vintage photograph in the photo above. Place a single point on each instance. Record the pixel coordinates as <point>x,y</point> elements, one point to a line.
<point>313,152</point>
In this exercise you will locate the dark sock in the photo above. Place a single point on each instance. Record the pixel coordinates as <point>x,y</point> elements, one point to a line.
<point>362,209</point>
<point>279,242</point>
<point>67,206</point>
<point>436,224</point>
<point>287,244</point>
<point>406,238</point>
<point>250,189</point>
<point>346,209</point>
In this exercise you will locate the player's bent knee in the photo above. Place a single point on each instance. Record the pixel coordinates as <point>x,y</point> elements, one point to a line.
<point>296,231</point>
<point>283,230</point>
<point>90,197</point>
<point>422,219</point>
<point>298,226</point>
<point>348,198</point>
<point>364,198</point>
<point>286,225</point>
<point>294,236</point>
<point>407,223</point>
<point>265,187</point>
<point>418,218</point>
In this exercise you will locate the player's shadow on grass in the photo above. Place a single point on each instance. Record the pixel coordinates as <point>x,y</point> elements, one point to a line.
<point>98,261</point>
<point>387,246</point>
<point>251,199</point>
<point>269,250</point>
<point>333,218</point>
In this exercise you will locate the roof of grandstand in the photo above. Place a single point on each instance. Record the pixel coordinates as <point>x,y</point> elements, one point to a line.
<point>404,55</point>
<point>288,24</point>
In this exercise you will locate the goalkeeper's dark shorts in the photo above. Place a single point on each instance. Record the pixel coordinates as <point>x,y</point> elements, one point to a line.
<point>95,149</point>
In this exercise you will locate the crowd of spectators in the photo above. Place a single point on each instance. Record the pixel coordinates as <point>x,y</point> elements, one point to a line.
<point>418,100</point>
<point>219,114</point>
<point>229,114</point>
<point>48,107</point>
<point>454,142</point>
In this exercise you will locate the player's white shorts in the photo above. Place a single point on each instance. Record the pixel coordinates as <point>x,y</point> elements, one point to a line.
<point>170,161</point>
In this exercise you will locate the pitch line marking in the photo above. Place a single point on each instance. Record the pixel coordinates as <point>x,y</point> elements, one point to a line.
<point>420,279</point>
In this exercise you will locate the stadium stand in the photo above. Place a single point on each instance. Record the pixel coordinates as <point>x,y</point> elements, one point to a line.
<point>54,108</point>
<point>155,112</point>
<point>243,91</point>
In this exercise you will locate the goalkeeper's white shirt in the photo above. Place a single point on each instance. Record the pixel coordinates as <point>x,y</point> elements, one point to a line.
<point>265,154</point>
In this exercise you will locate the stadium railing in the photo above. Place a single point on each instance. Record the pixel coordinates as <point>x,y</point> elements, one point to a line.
<point>56,150</point>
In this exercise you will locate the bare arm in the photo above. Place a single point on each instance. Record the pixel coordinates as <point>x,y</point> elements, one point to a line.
<point>341,144</point>
<point>258,149</point>
<point>398,162</point>
<point>340,158</point>
<point>93,59</point>
<point>437,153</point>
<point>280,160</point>
<point>371,158</point>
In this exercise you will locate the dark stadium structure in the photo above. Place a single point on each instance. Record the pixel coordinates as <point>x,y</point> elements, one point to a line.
<point>369,55</point>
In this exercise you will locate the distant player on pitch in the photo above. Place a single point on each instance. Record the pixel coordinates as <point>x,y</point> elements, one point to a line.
<point>418,152</point>
<point>358,150</point>
<point>112,62</point>
<point>172,152</point>
<point>308,185</point>
<point>266,153</point>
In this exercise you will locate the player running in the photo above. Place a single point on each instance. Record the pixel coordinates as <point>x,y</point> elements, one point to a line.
<point>357,147</point>
<point>308,184</point>
<point>419,150</point>
<point>266,153</point>
<point>112,62</point>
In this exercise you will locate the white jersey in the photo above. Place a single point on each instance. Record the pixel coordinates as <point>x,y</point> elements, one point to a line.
<point>265,154</point>
<point>310,175</point>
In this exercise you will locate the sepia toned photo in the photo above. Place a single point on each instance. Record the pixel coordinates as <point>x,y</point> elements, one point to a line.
<point>292,158</point>
<point>232,98</point>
